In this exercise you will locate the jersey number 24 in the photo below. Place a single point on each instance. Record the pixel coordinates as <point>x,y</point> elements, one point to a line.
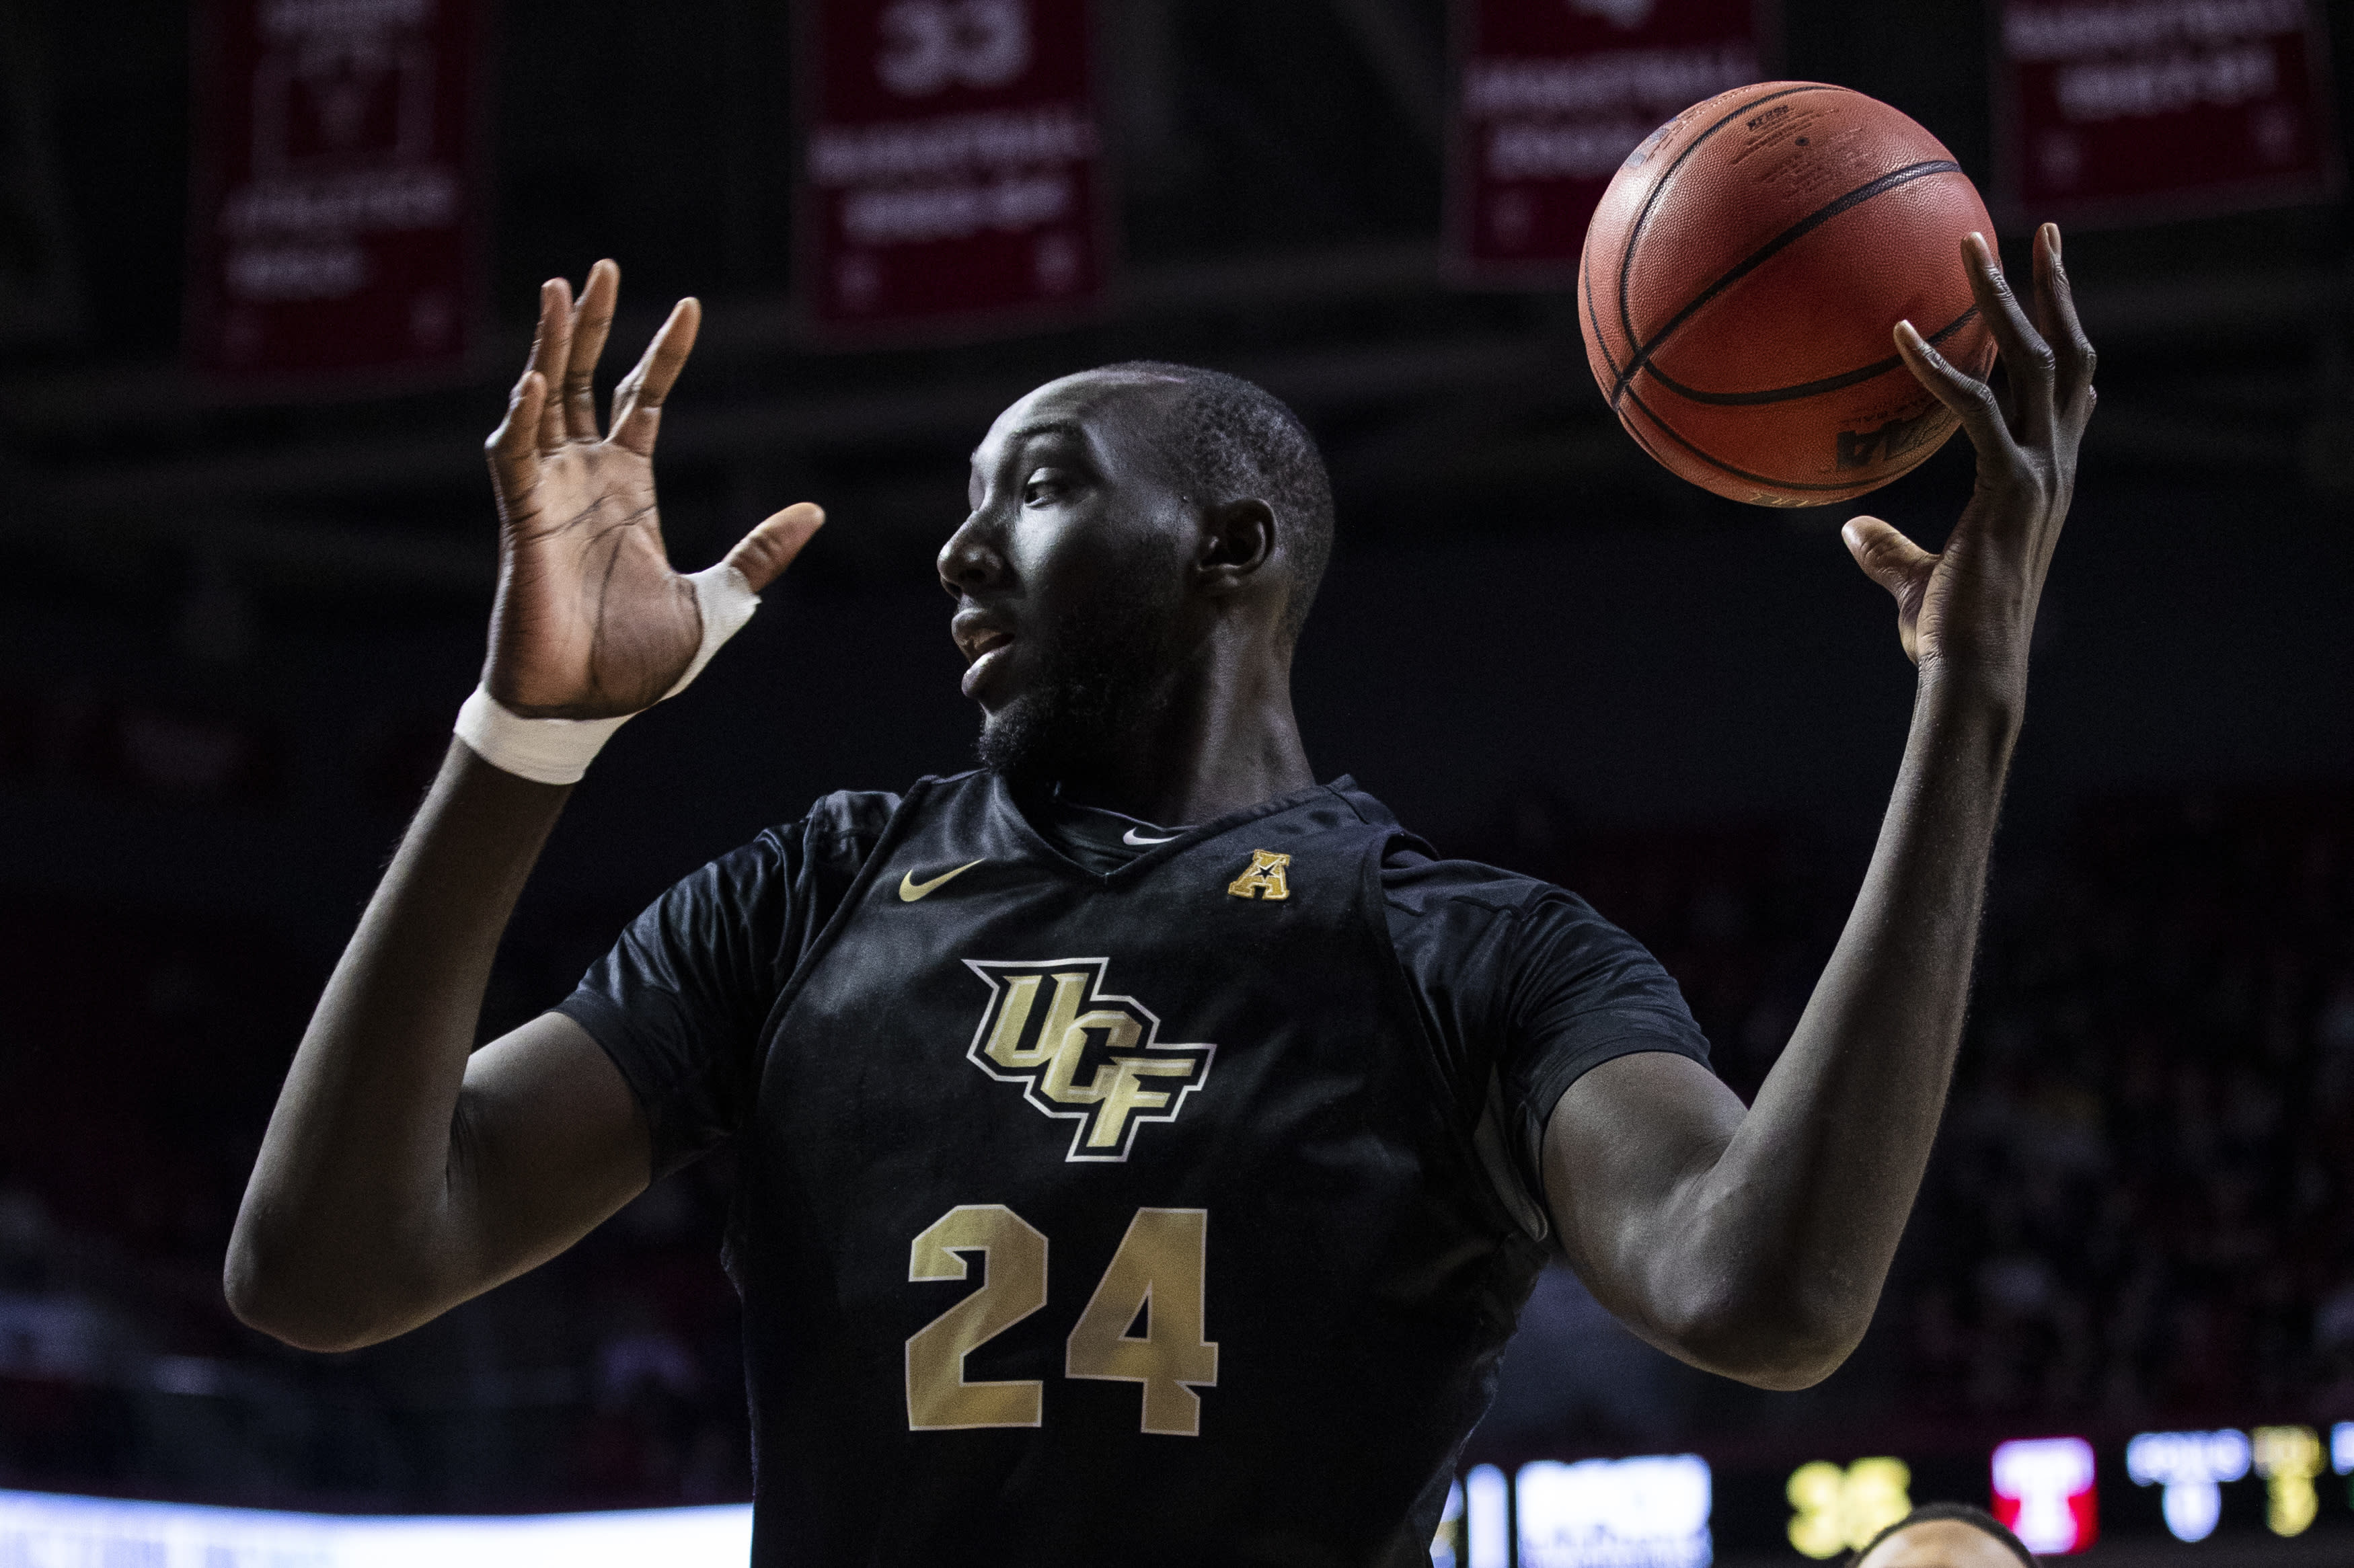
<point>1157,1273</point>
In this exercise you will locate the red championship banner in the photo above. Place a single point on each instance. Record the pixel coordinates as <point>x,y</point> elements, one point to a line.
<point>332,228</point>
<point>2121,108</point>
<point>950,166</point>
<point>1552,95</point>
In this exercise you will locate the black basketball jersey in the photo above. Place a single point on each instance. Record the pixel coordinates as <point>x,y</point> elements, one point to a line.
<point>1114,1217</point>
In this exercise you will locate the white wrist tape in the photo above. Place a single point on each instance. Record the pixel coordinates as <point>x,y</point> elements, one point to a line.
<point>559,751</point>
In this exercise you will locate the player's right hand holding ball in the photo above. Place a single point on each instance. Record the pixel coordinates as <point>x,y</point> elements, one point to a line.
<point>1968,611</point>
<point>590,620</point>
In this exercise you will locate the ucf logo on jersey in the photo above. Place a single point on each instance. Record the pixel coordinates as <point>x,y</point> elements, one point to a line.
<point>1081,1053</point>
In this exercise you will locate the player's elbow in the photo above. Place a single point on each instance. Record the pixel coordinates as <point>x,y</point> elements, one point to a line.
<point>270,1291</point>
<point>267,1302</point>
<point>1781,1340</point>
<point>1785,1365</point>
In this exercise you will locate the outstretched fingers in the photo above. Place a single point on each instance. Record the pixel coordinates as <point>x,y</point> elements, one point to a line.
<point>514,447</point>
<point>1971,399</point>
<point>551,347</point>
<point>637,401</point>
<point>2027,360</point>
<point>2056,317</point>
<point>593,319</point>
<point>764,553</point>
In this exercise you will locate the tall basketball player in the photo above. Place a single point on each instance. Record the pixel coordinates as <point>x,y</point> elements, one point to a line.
<point>1144,1149</point>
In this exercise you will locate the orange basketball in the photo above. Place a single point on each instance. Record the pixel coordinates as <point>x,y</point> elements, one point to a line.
<point>1742,274</point>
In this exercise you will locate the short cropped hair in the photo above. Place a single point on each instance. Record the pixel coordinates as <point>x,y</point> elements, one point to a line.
<point>1237,440</point>
<point>1977,1517</point>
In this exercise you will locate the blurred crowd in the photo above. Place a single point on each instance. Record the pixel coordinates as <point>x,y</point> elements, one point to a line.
<point>2144,1201</point>
<point>141,1057</point>
<point>2141,1206</point>
<point>2138,1211</point>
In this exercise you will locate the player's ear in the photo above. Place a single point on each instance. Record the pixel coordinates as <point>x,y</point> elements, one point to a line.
<point>1237,541</point>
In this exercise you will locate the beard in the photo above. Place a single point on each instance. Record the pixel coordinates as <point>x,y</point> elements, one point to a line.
<point>1103,682</point>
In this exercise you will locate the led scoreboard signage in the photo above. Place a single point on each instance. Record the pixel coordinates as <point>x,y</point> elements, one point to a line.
<point>1836,1509</point>
<point>1652,1512</point>
<point>2190,1469</point>
<point>2061,1494</point>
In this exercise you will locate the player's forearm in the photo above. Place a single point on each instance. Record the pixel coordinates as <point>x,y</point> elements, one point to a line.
<point>350,1230</point>
<point>1797,1222</point>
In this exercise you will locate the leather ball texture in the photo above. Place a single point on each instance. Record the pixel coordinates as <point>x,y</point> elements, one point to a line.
<point>1743,275</point>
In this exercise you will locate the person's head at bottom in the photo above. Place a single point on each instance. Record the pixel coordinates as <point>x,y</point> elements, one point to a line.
<point>1946,1535</point>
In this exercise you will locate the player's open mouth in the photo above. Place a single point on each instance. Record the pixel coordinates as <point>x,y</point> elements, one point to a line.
<point>986,649</point>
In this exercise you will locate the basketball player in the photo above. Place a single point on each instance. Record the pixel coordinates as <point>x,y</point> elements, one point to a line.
<point>1144,1149</point>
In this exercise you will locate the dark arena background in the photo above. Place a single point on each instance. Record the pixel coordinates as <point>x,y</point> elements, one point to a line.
<point>267,269</point>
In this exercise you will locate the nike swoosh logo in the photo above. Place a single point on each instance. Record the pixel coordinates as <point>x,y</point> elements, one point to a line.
<point>910,889</point>
<point>1139,841</point>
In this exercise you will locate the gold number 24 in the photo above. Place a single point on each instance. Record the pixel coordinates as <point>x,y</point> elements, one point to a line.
<point>1156,1271</point>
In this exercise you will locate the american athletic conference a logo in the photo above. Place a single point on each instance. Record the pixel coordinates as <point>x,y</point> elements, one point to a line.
<point>1082,1053</point>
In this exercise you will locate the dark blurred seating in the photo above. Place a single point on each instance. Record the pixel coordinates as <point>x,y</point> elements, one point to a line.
<point>138,1061</point>
<point>2138,1209</point>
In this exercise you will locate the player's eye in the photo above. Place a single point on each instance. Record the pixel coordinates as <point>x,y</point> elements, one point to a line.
<point>1043,486</point>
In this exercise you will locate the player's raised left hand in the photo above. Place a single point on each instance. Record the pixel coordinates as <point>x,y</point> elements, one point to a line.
<point>1970,609</point>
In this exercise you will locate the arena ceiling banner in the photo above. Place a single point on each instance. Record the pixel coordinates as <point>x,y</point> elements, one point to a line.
<point>1550,98</point>
<point>2111,110</point>
<point>336,202</point>
<point>951,171</point>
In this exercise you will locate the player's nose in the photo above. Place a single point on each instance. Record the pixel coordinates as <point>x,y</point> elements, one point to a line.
<point>971,561</point>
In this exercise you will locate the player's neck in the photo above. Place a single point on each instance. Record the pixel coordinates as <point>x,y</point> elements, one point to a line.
<point>1223,742</point>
